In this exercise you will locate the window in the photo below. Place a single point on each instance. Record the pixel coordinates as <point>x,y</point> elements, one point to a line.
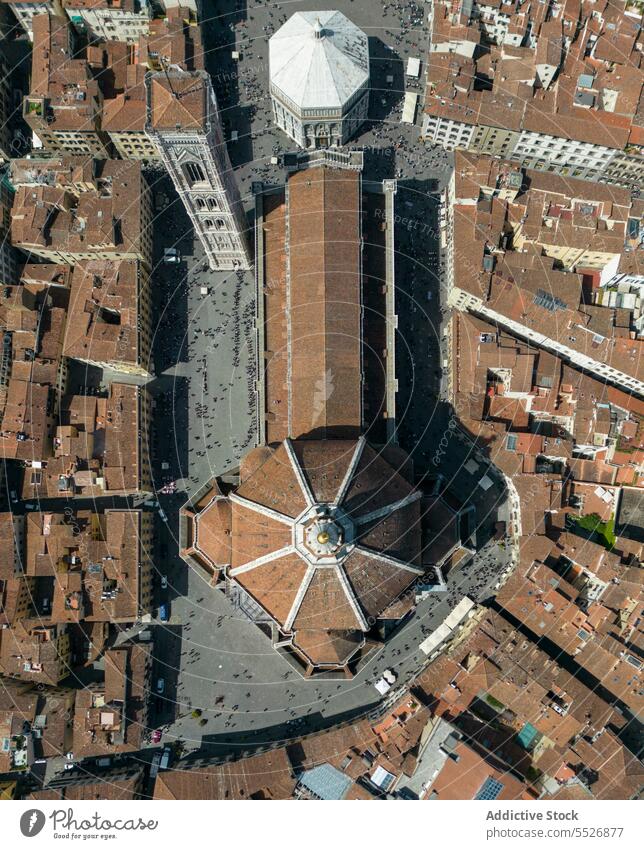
<point>194,172</point>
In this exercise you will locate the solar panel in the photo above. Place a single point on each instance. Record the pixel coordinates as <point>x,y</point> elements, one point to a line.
<point>548,301</point>
<point>490,789</point>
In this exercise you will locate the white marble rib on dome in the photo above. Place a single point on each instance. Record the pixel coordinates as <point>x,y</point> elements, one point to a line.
<point>319,70</point>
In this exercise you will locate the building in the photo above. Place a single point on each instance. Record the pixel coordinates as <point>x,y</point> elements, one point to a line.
<point>63,108</point>
<point>90,567</point>
<point>124,119</point>
<point>523,247</point>
<point>122,784</point>
<point>265,776</point>
<point>25,12</point>
<point>393,754</point>
<point>8,254</point>
<point>68,210</point>
<point>110,717</point>
<point>6,108</point>
<point>470,774</point>
<point>34,722</point>
<point>34,374</point>
<point>12,535</point>
<point>15,587</point>
<point>321,535</point>
<point>506,697</point>
<point>100,447</point>
<point>110,316</point>
<point>110,20</point>
<point>183,120</point>
<point>35,651</point>
<point>537,85</point>
<point>319,78</point>
<point>329,215</point>
<point>586,602</point>
<point>173,41</point>
<point>170,42</point>
<point>525,403</point>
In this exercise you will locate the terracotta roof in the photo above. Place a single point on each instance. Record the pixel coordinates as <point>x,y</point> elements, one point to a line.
<point>108,787</point>
<point>174,40</point>
<point>328,646</point>
<point>316,538</point>
<point>93,559</point>
<point>110,717</point>
<point>51,213</point>
<point>325,297</point>
<point>265,776</point>
<point>178,99</point>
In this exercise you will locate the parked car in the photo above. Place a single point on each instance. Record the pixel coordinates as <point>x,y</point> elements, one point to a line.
<point>156,735</point>
<point>164,613</point>
<point>160,685</point>
<point>164,582</point>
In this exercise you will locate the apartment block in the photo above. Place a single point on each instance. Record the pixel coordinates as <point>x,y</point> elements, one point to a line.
<point>532,253</point>
<point>25,12</point>
<point>6,108</point>
<point>173,41</point>
<point>100,447</point>
<point>15,587</point>
<point>90,567</point>
<point>120,784</point>
<point>64,104</point>
<point>110,318</point>
<point>8,254</point>
<point>33,724</point>
<point>34,651</point>
<point>124,119</point>
<point>584,600</point>
<point>110,20</point>
<point>110,717</point>
<point>68,210</point>
<point>552,88</point>
<point>34,373</point>
<point>511,699</point>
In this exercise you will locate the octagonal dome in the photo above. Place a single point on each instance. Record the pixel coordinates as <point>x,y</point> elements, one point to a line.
<point>324,535</point>
<point>318,60</point>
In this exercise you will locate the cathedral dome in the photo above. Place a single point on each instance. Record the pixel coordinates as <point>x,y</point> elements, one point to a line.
<point>324,536</point>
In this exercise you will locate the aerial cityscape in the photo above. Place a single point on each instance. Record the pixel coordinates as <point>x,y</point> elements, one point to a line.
<point>321,400</point>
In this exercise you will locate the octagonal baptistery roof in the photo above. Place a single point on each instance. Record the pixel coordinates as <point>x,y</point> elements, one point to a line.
<point>318,60</point>
<point>323,534</point>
